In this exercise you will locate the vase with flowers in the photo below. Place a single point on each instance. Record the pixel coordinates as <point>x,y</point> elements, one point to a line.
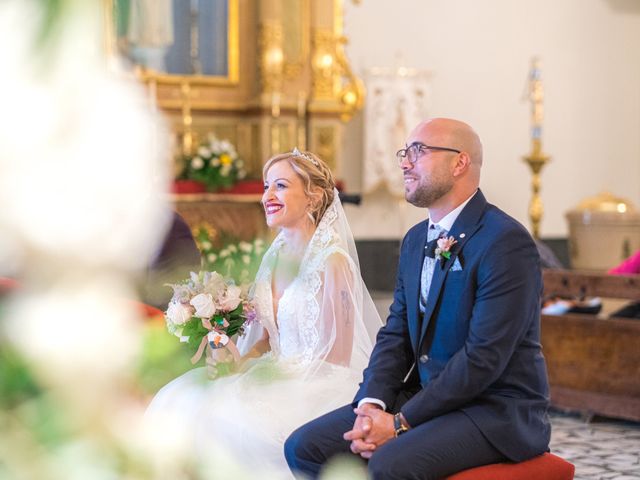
<point>215,164</point>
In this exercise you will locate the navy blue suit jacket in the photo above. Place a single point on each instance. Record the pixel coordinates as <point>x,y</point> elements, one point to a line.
<point>477,349</point>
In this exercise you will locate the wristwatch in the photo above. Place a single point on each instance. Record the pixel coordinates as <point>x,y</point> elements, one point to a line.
<point>398,425</point>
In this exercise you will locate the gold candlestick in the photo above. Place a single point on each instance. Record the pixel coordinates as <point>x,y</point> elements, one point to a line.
<point>536,158</point>
<point>187,120</point>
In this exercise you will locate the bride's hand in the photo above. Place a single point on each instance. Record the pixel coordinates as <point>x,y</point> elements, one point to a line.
<point>214,357</point>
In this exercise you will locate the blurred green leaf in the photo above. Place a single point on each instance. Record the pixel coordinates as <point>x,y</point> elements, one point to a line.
<point>162,359</point>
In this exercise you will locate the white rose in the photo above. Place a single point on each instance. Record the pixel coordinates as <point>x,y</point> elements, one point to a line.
<point>213,283</point>
<point>197,163</point>
<point>246,259</point>
<point>242,174</point>
<point>231,298</point>
<point>206,245</point>
<point>232,248</point>
<point>239,164</point>
<point>178,313</point>
<point>204,152</point>
<point>224,253</point>
<point>212,257</point>
<point>215,162</point>
<point>245,246</point>
<point>203,304</point>
<point>225,145</point>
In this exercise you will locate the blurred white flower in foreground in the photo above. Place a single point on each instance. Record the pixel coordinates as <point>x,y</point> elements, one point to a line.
<point>83,172</point>
<point>80,170</point>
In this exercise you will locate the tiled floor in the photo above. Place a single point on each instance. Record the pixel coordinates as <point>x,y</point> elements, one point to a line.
<point>600,449</point>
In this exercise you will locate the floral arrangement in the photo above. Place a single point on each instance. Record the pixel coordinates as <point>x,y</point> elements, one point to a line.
<point>215,163</point>
<point>444,247</point>
<point>205,312</point>
<point>237,260</point>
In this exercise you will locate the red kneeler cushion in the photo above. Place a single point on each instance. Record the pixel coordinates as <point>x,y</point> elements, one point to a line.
<point>547,466</point>
<point>7,284</point>
<point>147,312</point>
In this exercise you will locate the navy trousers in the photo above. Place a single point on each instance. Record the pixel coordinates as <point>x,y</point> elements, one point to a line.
<point>433,450</point>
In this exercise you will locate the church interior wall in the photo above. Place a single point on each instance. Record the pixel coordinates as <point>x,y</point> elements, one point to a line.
<point>478,55</point>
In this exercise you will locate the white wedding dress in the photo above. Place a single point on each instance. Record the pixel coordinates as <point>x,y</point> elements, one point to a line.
<point>320,342</point>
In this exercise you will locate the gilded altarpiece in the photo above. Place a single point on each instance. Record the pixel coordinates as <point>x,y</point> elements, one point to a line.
<point>283,80</point>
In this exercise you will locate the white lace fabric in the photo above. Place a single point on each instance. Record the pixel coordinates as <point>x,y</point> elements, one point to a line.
<point>326,313</point>
<point>326,324</point>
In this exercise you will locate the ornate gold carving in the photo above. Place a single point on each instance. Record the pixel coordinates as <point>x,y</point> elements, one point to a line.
<point>353,92</point>
<point>333,78</point>
<point>325,144</point>
<point>296,22</point>
<point>325,75</point>
<point>271,56</point>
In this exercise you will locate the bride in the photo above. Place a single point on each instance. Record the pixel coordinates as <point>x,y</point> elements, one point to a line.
<point>316,328</point>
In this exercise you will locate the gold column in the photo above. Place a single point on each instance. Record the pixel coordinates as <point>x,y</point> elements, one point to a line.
<point>536,158</point>
<point>336,93</point>
<point>270,39</point>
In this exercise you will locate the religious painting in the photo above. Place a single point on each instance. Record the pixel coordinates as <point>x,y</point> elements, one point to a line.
<point>179,37</point>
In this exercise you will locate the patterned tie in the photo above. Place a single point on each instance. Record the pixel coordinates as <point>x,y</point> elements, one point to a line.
<point>434,233</point>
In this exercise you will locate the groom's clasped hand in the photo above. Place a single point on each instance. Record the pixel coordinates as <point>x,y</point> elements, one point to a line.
<point>372,428</point>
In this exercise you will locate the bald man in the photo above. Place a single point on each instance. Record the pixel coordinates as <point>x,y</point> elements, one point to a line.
<point>456,378</point>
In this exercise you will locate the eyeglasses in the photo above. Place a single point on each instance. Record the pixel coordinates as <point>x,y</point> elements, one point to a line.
<point>415,151</point>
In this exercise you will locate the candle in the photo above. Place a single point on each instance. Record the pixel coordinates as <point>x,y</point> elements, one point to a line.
<point>536,95</point>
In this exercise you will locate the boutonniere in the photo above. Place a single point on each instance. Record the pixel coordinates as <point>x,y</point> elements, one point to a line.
<point>444,247</point>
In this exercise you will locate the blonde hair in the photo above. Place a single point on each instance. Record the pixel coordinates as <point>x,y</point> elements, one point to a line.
<point>314,172</point>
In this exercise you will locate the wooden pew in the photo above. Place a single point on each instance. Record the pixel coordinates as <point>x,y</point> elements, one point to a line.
<point>593,363</point>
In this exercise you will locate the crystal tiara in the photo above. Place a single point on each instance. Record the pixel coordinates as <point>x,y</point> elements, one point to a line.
<point>298,153</point>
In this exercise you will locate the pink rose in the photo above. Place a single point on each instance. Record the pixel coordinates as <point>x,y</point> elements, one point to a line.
<point>444,246</point>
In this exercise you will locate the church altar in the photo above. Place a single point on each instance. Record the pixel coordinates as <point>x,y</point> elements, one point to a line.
<point>238,216</point>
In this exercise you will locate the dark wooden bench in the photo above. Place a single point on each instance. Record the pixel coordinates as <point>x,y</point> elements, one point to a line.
<point>593,363</point>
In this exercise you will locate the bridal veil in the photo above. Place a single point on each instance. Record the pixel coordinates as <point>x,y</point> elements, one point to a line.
<point>334,315</point>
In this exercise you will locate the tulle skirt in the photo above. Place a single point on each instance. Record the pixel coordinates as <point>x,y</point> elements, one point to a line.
<point>250,414</point>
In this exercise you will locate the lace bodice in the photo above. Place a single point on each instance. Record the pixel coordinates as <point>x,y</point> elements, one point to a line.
<point>296,334</point>
<point>321,313</point>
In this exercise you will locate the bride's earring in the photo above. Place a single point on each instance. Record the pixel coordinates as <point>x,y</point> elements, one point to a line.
<point>310,215</point>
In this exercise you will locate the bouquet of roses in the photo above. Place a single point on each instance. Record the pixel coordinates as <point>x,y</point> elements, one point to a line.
<point>205,312</point>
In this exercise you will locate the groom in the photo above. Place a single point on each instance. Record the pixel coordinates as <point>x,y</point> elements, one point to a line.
<point>457,378</point>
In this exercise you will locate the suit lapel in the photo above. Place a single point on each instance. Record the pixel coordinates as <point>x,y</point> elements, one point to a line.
<point>413,284</point>
<point>465,226</point>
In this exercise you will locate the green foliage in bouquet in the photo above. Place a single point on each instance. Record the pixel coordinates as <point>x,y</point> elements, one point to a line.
<point>207,305</point>
<point>215,163</point>
<point>237,260</point>
<point>194,329</point>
